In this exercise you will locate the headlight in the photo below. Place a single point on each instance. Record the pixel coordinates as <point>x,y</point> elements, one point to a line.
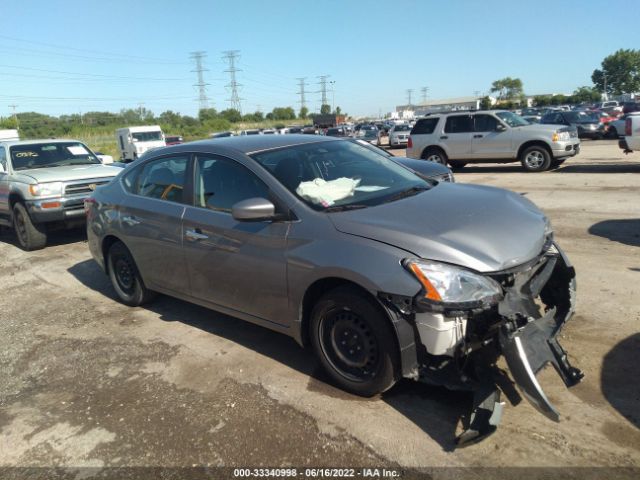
<point>454,286</point>
<point>53,189</point>
<point>560,137</point>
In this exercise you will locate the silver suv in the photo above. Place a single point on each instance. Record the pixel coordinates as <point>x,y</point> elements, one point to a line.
<point>491,136</point>
<point>43,185</point>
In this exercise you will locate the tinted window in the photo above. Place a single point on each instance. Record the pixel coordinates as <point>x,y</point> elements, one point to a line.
<point>163,179</point>
<point>3,158</point>
<point>486,123</point>
<point>401,128</point>
<point>425,126</point>
<point>221,183</point>
<point>147,136</point>
<point>458,124</point>
<point>552,118</point>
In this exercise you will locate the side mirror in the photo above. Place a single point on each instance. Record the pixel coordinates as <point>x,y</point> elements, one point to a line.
<point>501,128</point>
<point>253,210</point>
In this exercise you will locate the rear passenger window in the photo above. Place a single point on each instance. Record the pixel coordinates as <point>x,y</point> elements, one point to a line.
<point>459,124</point>
<point>163,179</point>
<point>424,126</point>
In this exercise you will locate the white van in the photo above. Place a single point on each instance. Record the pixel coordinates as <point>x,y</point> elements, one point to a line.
<point>134,141</point>
<point>9,135</point>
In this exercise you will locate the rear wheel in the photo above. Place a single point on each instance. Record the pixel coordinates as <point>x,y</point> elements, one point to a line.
<point>31,236</point>
<point>535,159</point>
<point>125,277</point>
<point>354,342</point>
<point>435,155</point>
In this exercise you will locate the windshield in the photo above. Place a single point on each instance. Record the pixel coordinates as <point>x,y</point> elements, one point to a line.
<point>401,128</point>
<point>45,155</point>
<point>368,134</point>
<point>147,136</point>
<point>339,175</point>
<point>579,117</point>
<point>512,119</point>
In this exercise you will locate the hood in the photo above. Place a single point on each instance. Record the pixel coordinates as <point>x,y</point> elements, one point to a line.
<point>482,228</point>
<point>70,173</point>
<point>545,127</point>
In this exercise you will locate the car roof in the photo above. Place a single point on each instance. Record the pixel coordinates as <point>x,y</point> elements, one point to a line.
<point>39,141</point>
<point>248,144</point>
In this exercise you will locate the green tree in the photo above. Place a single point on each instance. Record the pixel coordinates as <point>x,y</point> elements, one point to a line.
<point>585,94</point>
<point>485,103</point>
<point>620,71</point>
<point>507,88</point>
<point>325,109</point>
<point>206,114</point>
<point>304,111</point>
<point>283,113</point>
<point>338,111</point>
<point>170,117</point>
<point>232,115</point>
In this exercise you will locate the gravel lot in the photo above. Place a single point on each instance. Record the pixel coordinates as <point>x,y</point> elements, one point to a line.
<point>86,381</point>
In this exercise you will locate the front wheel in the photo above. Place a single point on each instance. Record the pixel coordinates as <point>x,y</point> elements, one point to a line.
<point>535,159</point>
<point>125,277</point>
<point>31,236</point>
<point>354,342</point>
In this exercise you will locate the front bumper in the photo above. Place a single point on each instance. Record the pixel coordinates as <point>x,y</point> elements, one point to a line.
<point>59,209</point>
<point>465,356</point>
<point>566,149</point>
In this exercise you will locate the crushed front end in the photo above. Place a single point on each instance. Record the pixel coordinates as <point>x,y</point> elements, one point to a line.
<point>460,343</point>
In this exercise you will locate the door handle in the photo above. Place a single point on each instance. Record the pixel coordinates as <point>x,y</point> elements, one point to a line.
<point>477,136</point>
<point>195,235</point>
<point>444,137</point>
<point>131,221</point>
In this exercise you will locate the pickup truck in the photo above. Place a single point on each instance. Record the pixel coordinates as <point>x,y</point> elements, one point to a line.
<point>631,139</point>
<point>43,185</point>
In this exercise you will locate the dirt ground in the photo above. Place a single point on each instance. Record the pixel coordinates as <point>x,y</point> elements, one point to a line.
<point>88,382</point>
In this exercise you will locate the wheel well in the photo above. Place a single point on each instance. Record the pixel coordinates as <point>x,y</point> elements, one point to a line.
<point>106,245</point>
<point>431,147</point>
<point>13,199</point>
<point>534,143</point>
<point>319,288</point>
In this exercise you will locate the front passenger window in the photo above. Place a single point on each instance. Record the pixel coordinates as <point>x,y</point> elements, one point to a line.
<point>486,123</point>
<point>221,183</point>
<point>459,124</point>
<point>163,179</point>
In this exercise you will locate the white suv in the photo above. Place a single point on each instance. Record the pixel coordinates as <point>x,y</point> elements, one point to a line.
<point>492,136</point>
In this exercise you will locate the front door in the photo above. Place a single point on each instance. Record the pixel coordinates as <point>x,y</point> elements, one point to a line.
<point>5,213</point>
<point>151,222</point>
<point>236,265</point>
<point>491,139</point>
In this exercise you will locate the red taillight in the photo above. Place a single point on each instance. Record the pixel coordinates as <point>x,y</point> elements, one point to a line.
<point>410,143</point>
<point>627,127</point>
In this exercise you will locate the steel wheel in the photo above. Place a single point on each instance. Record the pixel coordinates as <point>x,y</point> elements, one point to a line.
<point>350,345</point>
<point>534,159</point>
<point>125,274</point>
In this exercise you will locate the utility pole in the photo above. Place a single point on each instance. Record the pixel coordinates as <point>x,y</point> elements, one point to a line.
<point>409,92</point>
<point>323,88</point>
<point>15,117</point>
<point>203,100</point>
<point>424,91</point>
<point>606,94</point>
<point>333,95</point>
<point>140,108</point>
<point>231,56</point>
<point>302,92</point>
<point>476,93</point>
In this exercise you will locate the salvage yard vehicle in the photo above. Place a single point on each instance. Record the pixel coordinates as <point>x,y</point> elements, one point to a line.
<point>631,139</point>
<point>399,135</point>
<point>492,136</point>
<point>383,273</point>
<point>134,141</point>
<point>43,185</point>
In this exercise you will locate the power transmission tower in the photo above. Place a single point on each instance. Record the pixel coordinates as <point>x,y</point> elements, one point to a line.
<point>424,91</point>
<point>203,100</point>
<point>231,56</point>
<point>323,88</point>
<point>15,117</point>
<point>302,92</point>
<point>409,92</point>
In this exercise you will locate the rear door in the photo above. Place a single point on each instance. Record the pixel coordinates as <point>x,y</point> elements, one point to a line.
<point>4,185</point>
<point>151,221</point>
<point>458,136</point>
<point>491,138</point>
<point>236,265</point>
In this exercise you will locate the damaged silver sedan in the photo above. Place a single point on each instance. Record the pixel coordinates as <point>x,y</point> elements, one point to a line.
<point>383,273</point>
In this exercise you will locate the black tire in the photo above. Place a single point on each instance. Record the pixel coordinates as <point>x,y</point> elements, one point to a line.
<point>125,277</point>
<point>368,363</point>
<point>435,155</point>
<point>456,164</point>
<point>535,159</point>
<point>31,236</point>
